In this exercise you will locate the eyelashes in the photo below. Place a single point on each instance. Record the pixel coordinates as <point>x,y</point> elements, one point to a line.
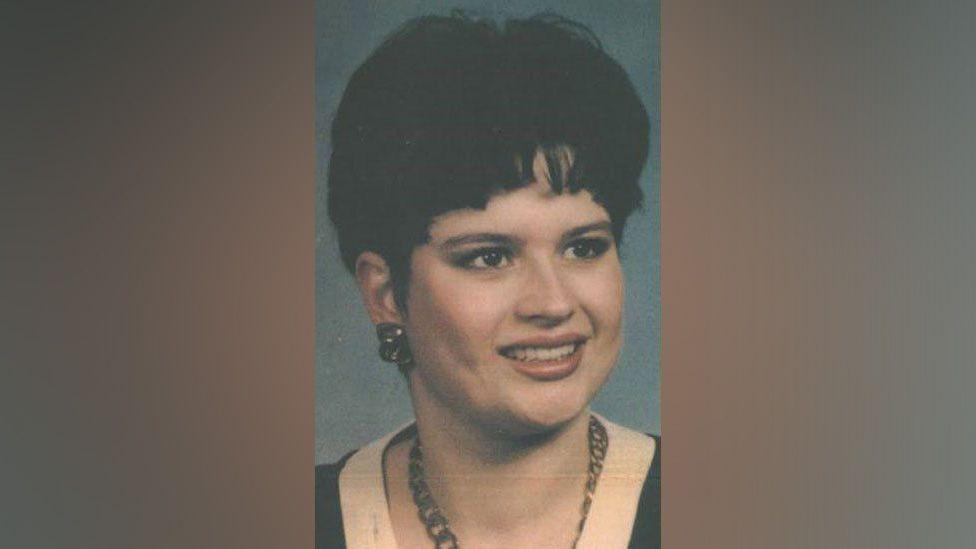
<point>495,257</point>
<point>586,248</point>
<point>492,258</point>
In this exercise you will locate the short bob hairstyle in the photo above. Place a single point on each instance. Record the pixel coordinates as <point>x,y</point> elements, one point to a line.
<point>449,111</point>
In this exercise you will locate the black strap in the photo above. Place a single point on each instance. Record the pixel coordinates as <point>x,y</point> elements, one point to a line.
<point>647,525</point>
<point>329,533</point>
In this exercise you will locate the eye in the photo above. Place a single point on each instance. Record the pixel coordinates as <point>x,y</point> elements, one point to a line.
<point>587,248</point>
<point>486,258</point>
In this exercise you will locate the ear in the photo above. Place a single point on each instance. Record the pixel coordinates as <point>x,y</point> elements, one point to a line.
<point>376,287</point>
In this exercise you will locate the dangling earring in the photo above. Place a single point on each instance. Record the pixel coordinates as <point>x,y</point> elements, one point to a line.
<point>393,344</point>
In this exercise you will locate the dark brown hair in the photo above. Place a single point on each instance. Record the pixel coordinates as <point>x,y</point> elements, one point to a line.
<point>449,111</point>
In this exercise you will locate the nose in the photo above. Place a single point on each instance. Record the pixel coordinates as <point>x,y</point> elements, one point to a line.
<point>545,300</point>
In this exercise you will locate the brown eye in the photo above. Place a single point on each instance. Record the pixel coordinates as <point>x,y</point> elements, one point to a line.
<point>491,258</point>
<point>488,258</point>
<point>587,248</point>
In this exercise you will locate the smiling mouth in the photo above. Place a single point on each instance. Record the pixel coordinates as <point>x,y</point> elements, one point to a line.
<point>546,360</point>
<point>540,353</point>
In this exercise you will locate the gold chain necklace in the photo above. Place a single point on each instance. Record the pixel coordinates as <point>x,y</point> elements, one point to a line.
<point>436,523</point>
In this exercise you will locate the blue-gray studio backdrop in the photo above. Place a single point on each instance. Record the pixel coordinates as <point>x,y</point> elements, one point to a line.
<point>360,398</point>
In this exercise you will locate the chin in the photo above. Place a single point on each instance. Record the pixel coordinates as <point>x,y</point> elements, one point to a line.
<point>545,407</point>
<point>547,414</point>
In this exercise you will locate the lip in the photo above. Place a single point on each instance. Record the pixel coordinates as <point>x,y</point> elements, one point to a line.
<point>548,370</point>
<point>546,341</point>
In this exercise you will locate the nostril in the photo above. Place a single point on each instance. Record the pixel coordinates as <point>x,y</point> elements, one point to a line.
<point>547,317</point>
<point>544,295</point>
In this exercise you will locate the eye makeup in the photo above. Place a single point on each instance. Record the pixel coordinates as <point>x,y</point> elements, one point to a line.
<point>489,257</point>
<point>587,248</point>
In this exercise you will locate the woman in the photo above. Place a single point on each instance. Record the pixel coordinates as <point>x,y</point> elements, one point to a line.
<point>479,183</point>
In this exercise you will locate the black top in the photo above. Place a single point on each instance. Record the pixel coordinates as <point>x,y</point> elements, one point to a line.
<point>328,514</point>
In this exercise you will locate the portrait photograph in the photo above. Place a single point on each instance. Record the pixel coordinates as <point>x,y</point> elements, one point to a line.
<point>487,274</point>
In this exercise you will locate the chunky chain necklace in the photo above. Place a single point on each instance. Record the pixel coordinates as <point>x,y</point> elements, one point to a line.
<point>435,521</point>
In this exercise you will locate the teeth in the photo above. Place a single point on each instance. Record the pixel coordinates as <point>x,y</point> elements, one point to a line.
<point>541,353</point>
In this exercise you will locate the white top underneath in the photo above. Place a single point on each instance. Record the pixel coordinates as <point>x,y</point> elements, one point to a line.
<point>366,517</point>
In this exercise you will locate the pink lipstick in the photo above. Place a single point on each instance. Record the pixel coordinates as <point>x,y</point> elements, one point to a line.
<point>546,358</point>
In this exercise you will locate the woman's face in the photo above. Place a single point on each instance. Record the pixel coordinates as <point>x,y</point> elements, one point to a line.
<point>514,311</point>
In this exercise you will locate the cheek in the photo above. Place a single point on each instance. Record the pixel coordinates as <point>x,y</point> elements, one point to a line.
<point>601,294</point>
<point>451,317</point>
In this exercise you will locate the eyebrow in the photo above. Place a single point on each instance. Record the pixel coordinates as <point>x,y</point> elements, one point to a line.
<point>478,238</point>
<point>503,239</point>
<point>583,229</point>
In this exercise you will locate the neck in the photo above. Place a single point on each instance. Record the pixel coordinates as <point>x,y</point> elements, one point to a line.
<point>490,482</point>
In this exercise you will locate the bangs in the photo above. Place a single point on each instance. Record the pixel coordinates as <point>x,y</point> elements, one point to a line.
<point>560,167</point>
<point>450,112</point>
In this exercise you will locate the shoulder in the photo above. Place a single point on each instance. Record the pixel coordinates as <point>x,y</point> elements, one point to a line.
<point>635,456</point>
<point>632,449</point>
<point>647,527</point>
<point>655,471</point>
<point>364,467</point>
<point>328,513</point>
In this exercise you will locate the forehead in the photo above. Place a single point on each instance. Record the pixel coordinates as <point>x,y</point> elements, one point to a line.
<point>533,211</point>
